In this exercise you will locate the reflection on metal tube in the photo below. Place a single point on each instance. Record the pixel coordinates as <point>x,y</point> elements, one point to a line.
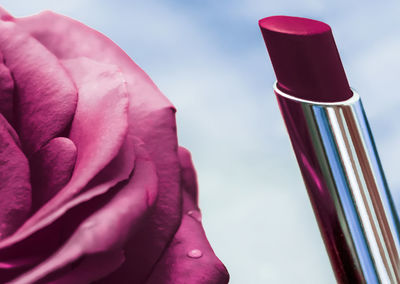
<point>347,187</point>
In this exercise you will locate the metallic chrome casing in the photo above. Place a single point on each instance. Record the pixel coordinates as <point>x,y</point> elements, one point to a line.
<point>347,187</point>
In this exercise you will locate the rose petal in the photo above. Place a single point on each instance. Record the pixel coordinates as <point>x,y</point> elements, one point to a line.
<point>6,92</point>
<point>45,100</point>
<point>188,174</point>
<point>67,38</point>
<point>104,263</point>
<point>144,249</point>
<point>100,123</point>
<point>109,228</point>
<point>15,189</point>
<point>26,248</point>
<point>36,236</point>
<point>151,118</point>
<point>98,129</point>
<point>189,257</point>
<point>4,15</point>
<point>51,168</point>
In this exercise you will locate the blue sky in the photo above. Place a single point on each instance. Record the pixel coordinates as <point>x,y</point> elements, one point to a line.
<point>208,57</point>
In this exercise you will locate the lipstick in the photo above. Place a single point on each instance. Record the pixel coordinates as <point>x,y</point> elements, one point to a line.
<point>335,150</point>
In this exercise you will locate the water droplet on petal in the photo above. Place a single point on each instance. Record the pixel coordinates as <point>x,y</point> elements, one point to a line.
<point>88,225</point>
<point>195,214</point>
<point>195,253</point>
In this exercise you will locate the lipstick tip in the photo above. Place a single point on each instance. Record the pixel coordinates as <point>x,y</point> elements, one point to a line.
<point>305,58</point>
<point>293,25</point>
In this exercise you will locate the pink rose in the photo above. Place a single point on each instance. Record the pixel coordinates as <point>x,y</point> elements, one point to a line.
<point>93,184</point>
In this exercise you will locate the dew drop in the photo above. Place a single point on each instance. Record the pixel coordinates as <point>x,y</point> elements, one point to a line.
<point>88,225</point>
<point>195,253</point>
<point>195,214</point>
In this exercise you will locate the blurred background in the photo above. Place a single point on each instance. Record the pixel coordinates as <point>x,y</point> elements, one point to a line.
<point>209,59</point>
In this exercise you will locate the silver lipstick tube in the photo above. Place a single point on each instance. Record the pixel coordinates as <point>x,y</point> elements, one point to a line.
<point>344,178</point>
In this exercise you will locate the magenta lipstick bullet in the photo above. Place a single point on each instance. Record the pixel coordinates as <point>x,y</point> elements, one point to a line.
<point>335,151</point>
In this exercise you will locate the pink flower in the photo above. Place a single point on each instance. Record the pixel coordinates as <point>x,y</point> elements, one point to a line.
<point>93,184</point>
